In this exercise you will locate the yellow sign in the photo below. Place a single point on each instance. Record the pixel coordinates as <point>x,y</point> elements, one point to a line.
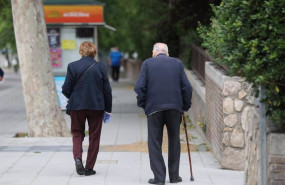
<point>68,44</point>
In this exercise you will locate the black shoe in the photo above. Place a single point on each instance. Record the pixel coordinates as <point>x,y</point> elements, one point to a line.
<point>176,180</point>
<point>153,181</point>
<point>89,172</point>
<point>79,167</point>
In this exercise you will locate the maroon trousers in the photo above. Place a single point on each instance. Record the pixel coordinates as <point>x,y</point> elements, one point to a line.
<point>94,118</point>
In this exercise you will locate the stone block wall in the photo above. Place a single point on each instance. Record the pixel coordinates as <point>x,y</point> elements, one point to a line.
<point>276,159</point>
<point>228,105</point>
<point>275,154</point>
<point>238,104</point>
<point>232,119</point>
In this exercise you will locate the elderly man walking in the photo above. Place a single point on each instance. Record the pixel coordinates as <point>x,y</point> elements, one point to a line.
<point>163,91</point>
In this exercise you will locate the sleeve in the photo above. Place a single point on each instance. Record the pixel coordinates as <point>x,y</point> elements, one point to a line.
<point>186,90</point>
<point>68,83</point>
<point>107,90</point>
<point>1,72</point>
<point>141,86</point>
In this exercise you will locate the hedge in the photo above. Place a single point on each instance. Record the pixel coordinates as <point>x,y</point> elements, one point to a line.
<point>248,38</point>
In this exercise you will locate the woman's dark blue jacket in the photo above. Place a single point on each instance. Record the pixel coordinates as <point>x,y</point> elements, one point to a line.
<point>93,91</point>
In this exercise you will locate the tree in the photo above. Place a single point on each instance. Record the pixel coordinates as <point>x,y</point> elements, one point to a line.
<point>6,25</point>
<point>43,112</point>
<point>140,24</point>
<point>7,40</point>
<point>133,21</point>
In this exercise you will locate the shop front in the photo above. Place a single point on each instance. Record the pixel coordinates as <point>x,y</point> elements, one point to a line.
<point>69,23</point>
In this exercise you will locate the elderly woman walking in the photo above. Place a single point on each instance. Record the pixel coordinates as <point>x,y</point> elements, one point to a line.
<point>90,97</point>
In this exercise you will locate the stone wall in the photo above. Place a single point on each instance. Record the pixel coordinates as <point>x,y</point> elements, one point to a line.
<point>228,104</point>
<point>252,151</point>
<point>238,104</point>
<point>232,119</point>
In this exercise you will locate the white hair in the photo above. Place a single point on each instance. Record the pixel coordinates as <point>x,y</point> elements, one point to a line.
<point>160,48</point>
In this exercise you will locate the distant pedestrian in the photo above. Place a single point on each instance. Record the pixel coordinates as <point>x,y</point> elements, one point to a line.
<point>1,75</point>
<point>115,60</point>
<point>88,89</point>
<point>163,91</point>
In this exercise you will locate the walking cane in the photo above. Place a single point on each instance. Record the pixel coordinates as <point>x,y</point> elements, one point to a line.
<point>192,178</point>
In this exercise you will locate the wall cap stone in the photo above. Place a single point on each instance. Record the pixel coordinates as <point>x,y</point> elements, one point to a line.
<point>218,75</point>
<point>215,73</point>
<point>196,84</point>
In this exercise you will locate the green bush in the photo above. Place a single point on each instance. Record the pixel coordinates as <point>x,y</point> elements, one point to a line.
<point>248,37</point>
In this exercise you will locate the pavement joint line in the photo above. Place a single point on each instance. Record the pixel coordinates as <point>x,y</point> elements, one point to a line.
<point>205,168</point>
<point>13,164</point>
<point>69,179</point>
<point>39,172</point>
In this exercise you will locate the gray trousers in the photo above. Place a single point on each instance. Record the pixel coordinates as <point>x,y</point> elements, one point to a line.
<point>156,122</point>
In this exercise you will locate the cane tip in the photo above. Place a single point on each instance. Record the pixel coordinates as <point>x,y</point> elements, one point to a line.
<point>192,179</point>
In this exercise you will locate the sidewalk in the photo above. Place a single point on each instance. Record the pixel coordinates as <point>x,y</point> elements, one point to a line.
<point>123,157</point>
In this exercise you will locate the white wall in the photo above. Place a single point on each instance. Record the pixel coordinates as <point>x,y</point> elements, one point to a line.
<point>69,56</point>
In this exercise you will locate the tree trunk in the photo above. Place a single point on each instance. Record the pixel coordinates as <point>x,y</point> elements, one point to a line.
<point>44,115</point>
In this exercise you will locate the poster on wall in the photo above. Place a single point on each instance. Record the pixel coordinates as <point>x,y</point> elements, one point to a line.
<point>55,56</point>
<point>59,80</point>
<point>53,37</point>
<point>68,44</point>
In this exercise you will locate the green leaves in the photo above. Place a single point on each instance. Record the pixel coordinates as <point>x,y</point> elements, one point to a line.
<point>140,24</point>
<point>6,25</point>
<point>248,37</point>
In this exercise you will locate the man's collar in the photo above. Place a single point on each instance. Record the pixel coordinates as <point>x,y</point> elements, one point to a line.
<point>161,54</point>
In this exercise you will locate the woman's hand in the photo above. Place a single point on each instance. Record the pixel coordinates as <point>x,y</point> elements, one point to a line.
<point>107,117</point>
